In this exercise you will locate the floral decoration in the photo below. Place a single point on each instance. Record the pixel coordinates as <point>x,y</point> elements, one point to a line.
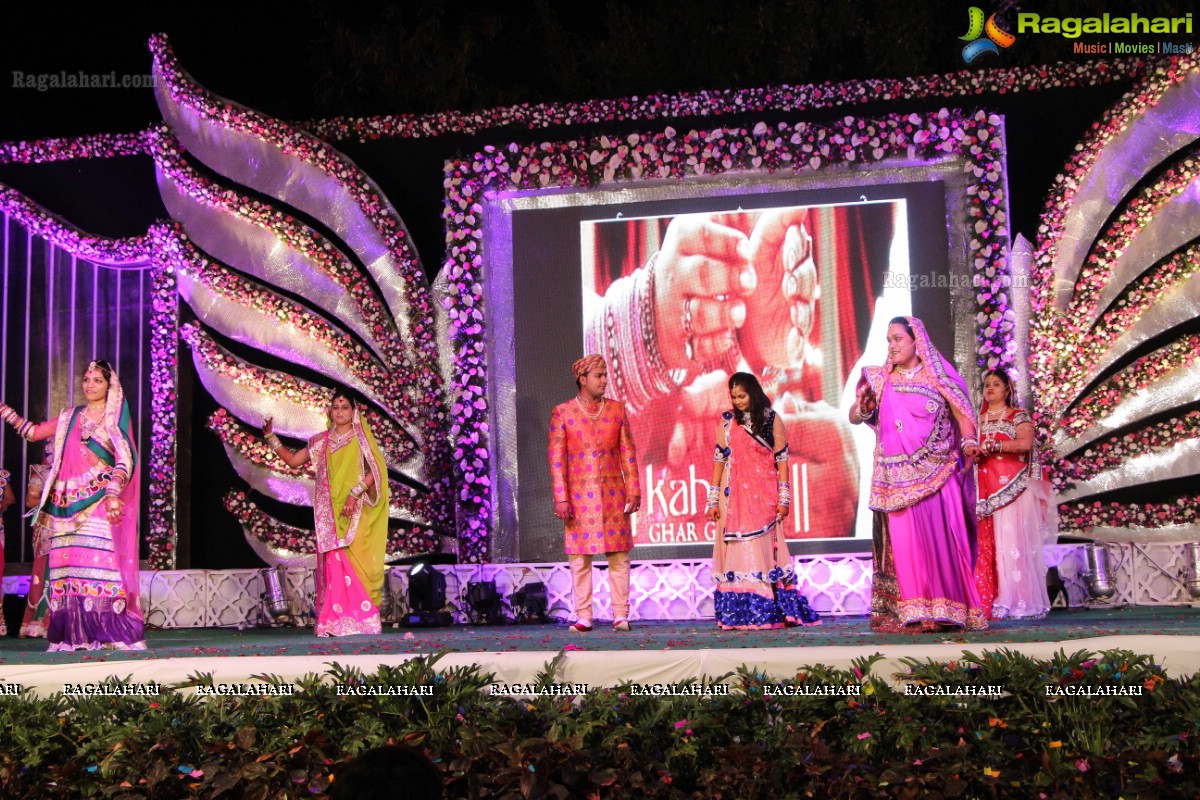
<point>403,540</point>
<point>422,384</point>
<point>1084,515</point>
<point>534,116</point>
<point>1137,298</point>
<point>101,145</point>
<point>1181,354</point>
<point>356,365</point>
<point>252,447</point>
<point>304,146</point>
<point>1048,350</point>
<point>97,249</point>
<point>1111,453</point>
<point>974,138</point>
<point>317,249</point>
<point>1073,331</point>
<point>164,371</point>
<point>1067,346</point>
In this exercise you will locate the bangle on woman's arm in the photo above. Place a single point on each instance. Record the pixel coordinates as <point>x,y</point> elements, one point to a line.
<point>969,441</point>
<point>358,490</point>
<point>785,493</point>
<point>273,442</point>
<point>713,499</point>
<point>116,484</point>
<point>23,427</point>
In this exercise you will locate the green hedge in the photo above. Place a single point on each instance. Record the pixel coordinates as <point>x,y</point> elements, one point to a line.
<point>609,743</point>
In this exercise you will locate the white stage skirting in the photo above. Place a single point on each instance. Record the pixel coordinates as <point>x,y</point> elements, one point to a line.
<point>1179,655</point>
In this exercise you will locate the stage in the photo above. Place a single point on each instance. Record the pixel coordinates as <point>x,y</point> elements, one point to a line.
<point>653,652</point>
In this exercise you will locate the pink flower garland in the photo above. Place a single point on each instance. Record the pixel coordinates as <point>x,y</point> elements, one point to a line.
<point>964,83</point>
<point>1072,331</point>
<point>402,541</point>
<point>1111,453</point>
<point>97,249</point>
<point>164,364</point>
<point>297,236</point>
<point>1137,376</point>
<point>1083,515</point>
<point>102,145</point>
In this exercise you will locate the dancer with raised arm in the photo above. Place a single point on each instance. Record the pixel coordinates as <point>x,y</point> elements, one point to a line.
<point>350,508</point>
<point>88,509</point>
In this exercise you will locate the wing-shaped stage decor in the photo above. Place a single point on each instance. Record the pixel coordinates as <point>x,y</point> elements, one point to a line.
<point>1117,291</point>
<point>286,252</point>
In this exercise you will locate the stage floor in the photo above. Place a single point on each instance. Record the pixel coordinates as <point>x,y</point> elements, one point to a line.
<point>652,651</point>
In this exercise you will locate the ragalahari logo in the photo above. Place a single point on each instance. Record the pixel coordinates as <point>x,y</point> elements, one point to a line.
<point>983,37</point>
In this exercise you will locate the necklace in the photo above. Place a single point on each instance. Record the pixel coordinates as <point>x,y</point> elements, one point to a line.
<point>995,414</point>
<point>337,440</point>
<point>584,408</point>
<point>909,373</point>
<point>87,425</point>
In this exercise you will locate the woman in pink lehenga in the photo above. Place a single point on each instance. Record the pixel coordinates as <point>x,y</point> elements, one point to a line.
<point>921,488</point>
<point>89,512</point>
<point>752,568</point>
<point>351,512</point>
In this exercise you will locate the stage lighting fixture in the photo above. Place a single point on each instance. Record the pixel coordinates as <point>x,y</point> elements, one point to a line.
<point>275,603</point>
<point>529,603</point>
<point>426,597</point>
<point>483,603</point>
<point>1099,582</point>
<point>1193,579</point>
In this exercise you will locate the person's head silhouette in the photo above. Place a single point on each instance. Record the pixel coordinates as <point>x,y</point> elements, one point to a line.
<point>390,772</point>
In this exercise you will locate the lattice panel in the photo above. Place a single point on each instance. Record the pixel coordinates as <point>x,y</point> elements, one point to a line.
<point>1158,574</point>
<point>837,585</point>
<point>178,599</point>
<point>672,590</point>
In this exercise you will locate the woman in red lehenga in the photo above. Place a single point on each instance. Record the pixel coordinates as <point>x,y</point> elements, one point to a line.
<point>1017,516</point>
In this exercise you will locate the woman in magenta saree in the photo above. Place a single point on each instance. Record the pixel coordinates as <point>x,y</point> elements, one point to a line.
<point>921,488</point>
<point>350,507</point>
<point>89,512</point>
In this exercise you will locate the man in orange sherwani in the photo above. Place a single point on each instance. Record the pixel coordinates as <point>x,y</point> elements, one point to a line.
<point>593,469</point>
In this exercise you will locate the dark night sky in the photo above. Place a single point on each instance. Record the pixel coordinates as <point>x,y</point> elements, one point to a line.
<point>314,58</point>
